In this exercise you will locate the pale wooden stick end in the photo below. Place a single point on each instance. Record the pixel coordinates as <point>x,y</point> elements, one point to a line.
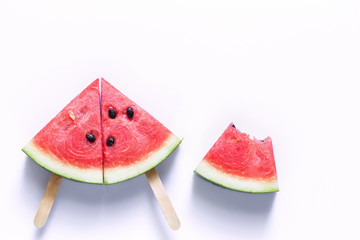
<point>163,199</point>
<point>47,200</point>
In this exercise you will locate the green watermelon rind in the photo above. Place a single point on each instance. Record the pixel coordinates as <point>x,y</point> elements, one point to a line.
<point>71,172</point>
<point>87,175</point>
<point>125,173</point>
<point>210,173</point>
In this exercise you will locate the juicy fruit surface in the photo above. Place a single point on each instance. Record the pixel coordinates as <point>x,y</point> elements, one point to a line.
<point>235,153</point>
<point>64,137</point>
<point>136,136</point>
<point>238,162</point>
<point>133,137</point>
<point>101,136</point>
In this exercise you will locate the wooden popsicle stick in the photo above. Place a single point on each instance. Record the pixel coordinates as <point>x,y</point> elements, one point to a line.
<point>47,200</point>
<point>163,199</point>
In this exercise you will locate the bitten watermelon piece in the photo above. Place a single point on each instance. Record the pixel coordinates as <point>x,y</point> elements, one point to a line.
<point>134,141</point>
<point>63,145</point>
<point>237,162</point>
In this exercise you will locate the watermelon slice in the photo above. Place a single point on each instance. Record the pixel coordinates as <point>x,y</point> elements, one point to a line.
<point>237,162</point>
<point>138,142</point>
<point>62,146</point>
<point>101,135</point>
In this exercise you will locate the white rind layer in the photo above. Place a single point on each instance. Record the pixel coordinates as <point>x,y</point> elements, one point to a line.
<point>119,174</point>
<point>207,171</point>
<point>52,164</point>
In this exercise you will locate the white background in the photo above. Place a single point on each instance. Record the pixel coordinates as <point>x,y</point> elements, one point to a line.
<point>287,69</point>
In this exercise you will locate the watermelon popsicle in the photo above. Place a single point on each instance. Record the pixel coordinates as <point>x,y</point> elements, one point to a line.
<point>91,141</point>
<point>134,142</point>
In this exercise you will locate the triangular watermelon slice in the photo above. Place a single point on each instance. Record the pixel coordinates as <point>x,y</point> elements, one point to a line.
<point>134,141</point>
<point>89,143</point>
<point>240,163</point>
<point>62,145</point>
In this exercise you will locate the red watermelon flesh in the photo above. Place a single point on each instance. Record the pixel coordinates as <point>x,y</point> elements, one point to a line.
<point>62,147</point>
<point>140,142</point>
<point>238,162</point>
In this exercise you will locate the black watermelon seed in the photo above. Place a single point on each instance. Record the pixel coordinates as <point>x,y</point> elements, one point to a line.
<point>130,112</point>
<point>112,113</point>
<point>110,142</point>
<point>233,126</point>
<point>90,137</point>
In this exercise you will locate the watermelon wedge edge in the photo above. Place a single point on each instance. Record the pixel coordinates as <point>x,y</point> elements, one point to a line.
<point>149,162</point>
<point>217,177</point>
<point>52,164</point>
